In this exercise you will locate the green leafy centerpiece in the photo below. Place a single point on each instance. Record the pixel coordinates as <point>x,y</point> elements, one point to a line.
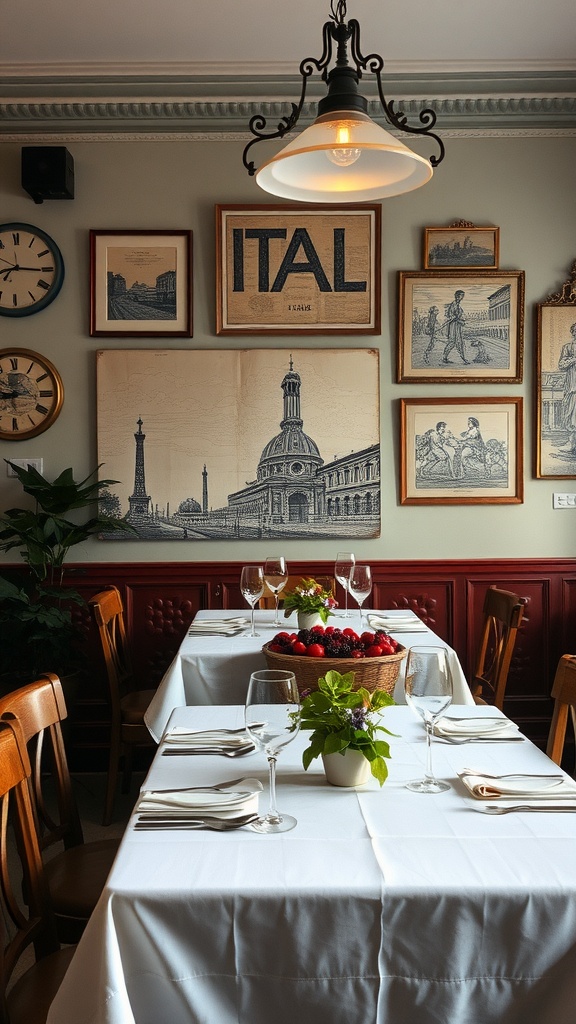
<point>343,719</point>
<point>310,598</point>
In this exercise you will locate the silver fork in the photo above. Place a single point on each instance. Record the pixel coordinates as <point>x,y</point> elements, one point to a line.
<point>231,784</point>
<point>192,824</point>
<point>560,808</point>
<point>512,775</point>
<point>238,752</point>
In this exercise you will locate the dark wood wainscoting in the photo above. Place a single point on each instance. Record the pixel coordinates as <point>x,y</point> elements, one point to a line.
<point>162,598</point>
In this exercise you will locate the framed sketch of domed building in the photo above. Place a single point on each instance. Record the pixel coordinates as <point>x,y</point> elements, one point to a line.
<point>247,444</point>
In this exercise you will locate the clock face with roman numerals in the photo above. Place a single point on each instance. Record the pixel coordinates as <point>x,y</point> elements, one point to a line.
<point>31,394</point>
<point>31,269</point>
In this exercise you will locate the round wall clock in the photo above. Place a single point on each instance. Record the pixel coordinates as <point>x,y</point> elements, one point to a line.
<point>31,269</point>
<point>31,394</point>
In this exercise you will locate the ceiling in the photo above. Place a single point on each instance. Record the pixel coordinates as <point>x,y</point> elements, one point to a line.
<point>74,66</point>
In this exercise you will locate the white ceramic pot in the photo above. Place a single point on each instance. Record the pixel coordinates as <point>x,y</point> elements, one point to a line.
<point>308,619</point>
<point>348,769</point>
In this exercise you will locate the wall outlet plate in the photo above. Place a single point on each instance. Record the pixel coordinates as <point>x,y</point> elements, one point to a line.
<point>564,501</point>
<point>37,464</point>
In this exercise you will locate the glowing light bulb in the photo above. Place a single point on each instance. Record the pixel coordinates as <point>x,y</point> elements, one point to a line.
<point>345,154</point>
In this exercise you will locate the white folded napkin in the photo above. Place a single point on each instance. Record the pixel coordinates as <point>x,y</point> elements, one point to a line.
<point>474,727</point>
<point>206,738</point>
<point>397,623</point>
<point>210,801</point>
<point>216,629</point>
<point>485,787</point>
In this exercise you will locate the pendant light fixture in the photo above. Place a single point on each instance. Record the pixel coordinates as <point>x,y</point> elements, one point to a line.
<point>344,156</point>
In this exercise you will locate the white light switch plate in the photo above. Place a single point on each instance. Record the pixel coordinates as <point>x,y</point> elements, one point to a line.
<point>37,464</point>
<point>564,501</point>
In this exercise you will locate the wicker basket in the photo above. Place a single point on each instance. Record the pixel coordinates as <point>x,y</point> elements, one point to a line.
<point>371,673</point>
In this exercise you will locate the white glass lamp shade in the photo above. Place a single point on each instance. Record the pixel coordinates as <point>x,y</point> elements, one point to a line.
<point>343,156</point>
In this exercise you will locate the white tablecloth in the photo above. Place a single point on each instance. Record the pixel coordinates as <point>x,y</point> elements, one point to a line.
<point>217,669</point>
<point>380,907</point>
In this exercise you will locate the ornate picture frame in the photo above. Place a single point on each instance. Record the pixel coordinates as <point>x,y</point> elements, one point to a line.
<point>555,446</point>
<point>141,284</point>
<point>298,270</point>
<point>460,326</point>
<point>462,246</point>
<point>461,451</point>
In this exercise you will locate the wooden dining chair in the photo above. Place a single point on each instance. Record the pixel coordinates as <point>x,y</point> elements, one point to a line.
<point>564,694</point>
<point>502,615</point>
<point>76,871</point>
<point>30,923</point>
<point>326,582</point>
<point>128,704</point>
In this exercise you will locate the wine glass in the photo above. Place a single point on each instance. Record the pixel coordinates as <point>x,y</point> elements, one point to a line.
<point>273,697</point>
<point>428,688</point>
<point>360,584</point>
<point>252,587</point>
<point>345,562</point>
<point>275,578</point>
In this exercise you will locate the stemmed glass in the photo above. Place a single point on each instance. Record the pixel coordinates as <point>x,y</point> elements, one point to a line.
<point>252,587</point>
<point>275,578</point>
<point>345,562</point>
<point>360,584</point>
<point>273,697</point>
<point>428,688</point>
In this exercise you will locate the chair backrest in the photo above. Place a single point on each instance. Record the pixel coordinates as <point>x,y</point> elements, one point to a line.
<point>502,613</point>
<point>564,694</point>
<point>326,582</point>
<point>108,612</point>
<point>40,709</point>
<point>21,924</point>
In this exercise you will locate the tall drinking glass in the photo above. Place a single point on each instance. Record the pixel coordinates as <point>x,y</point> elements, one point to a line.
<point>252,587</point>
<point>428,688</point>
<point>273,698</point>
<point>344,564</point>
<point>360,584</point>
<point>275,578</point>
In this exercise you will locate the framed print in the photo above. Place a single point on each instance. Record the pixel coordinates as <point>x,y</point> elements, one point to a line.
<point>229,444</point>
<point>141,284</point>
<point>556,383</point>
<point>298,269</point>
<point>461,451</point>
<point>462,246</point>
<point>460,326</point>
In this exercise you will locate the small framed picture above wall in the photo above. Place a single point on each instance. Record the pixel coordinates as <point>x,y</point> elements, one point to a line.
<point>461,451</point>
<point>556,383</point>
<point>141,284</point>
<point>460,326</point>
<point>298,270</point>
<point>462,245</point>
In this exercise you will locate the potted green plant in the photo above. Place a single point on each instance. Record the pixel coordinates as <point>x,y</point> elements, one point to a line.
<point>37,627</point>
<point>312,603</point>
<point>344,724</point>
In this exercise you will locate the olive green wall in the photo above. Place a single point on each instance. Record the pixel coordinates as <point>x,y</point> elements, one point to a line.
<point>524,185</point>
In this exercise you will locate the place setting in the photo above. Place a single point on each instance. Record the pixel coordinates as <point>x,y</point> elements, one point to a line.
<point>228,742</point>
<point>232,626</point>
<point>224,807</point>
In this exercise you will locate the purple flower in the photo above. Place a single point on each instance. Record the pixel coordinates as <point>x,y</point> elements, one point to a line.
<point>358,718</point>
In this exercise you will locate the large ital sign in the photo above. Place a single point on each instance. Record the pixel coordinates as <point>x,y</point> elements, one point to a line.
<point>288,270</point>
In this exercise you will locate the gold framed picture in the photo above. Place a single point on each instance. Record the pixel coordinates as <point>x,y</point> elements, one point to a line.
<point>463,246</point>
<point>556,383</point>
<point>298,270</point>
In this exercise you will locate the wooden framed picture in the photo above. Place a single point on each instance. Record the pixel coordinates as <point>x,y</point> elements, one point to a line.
<point>460,326</point>
<point>462,246</point>
<point>461,451</point>
<point>141,284</point>
<point>298,269</point>
<point>556,383</point>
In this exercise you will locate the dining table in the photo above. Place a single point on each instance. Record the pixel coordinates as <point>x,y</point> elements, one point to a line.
<point>382,905</point>
<point>214,668</point>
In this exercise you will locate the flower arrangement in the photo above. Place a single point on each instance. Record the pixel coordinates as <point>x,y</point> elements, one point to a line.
<point>310,597</point>
<point>341,718</point>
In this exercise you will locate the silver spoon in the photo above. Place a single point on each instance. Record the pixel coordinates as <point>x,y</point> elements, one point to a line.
<point>191,824</point>
<point>492,809</point>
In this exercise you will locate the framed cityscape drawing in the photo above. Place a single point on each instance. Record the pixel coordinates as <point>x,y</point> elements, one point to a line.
<point>556,383</point>
<point>298,269</point>
<point>241,444</point>
<point>460,326</point>
<point>141,284</point>
<point>462,245</point>
<point>461,451</point>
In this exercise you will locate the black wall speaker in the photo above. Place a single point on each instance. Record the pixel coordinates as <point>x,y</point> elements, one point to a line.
<point>47,172</point>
